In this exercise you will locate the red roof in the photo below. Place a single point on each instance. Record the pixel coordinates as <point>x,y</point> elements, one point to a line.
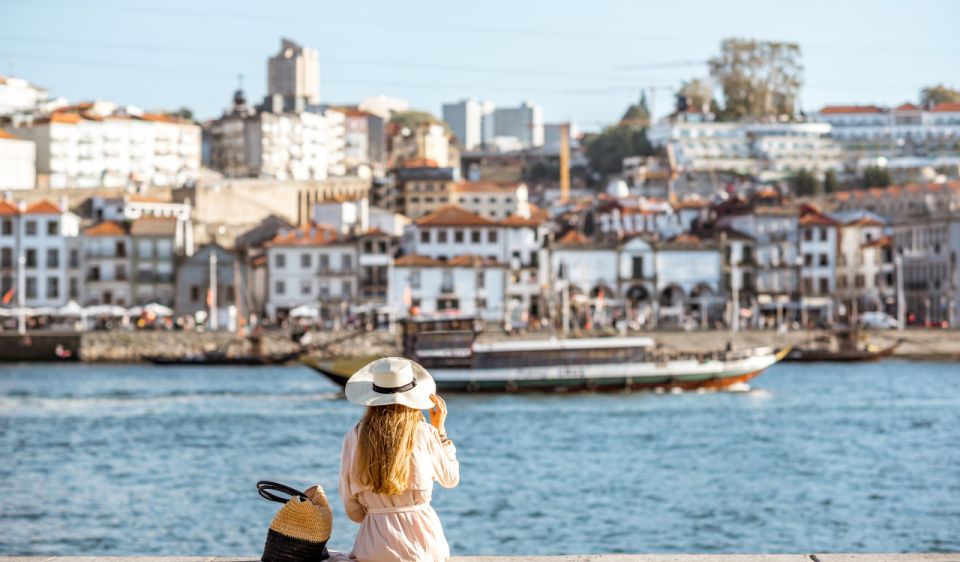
<point>573,237</point>
<point>841,109</point>
<point>816,219</point>
<point>106,228</point>
<point>485,187</point>
<point>420,163</point>
<point>8,208</point>
<point>416,260</point>
<point>453,215</point>
<point>950,106</point>
<point>881,242</point>
<point>307,235</point>
<point>906,107</point>
<point>6,135</point>
<point>43,207</point>
<point>467,260</point>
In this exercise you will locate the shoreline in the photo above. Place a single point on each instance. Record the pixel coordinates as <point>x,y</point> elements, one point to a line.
<point>918,344</point>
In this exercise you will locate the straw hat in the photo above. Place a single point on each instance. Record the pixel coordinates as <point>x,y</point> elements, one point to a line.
<point>392,380</point>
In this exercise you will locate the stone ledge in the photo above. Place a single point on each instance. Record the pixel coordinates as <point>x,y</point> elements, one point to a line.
<point>880,557</point>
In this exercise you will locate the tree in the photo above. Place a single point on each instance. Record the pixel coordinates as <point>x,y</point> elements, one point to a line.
<point>759,78</point>
<point>414,118</point>
<point>699,94</point>
<point>933,95</point>
<point>184,113</point>
<point>805,183</point>
<point>638,114</point>
<point>830,182</point>
<point>606,151</point>
<point>875,176</point>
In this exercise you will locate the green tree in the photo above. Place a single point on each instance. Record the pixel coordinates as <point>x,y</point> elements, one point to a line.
<point>805,183</point>
<point>758,78</point>
<point>698,93</point>
<point>830,182</point>
<point>184,113</point>
<point>638,114</point>
<point>876,176</point>
<point>933,95</point>
<point>414,118</point>
<point>606,151</point>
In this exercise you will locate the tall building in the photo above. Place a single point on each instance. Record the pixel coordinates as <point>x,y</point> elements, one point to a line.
<point>18,161</point>
<point>294,73</point>
<point>524,123</point>
<point>471,121</point>
<point>17,94</point>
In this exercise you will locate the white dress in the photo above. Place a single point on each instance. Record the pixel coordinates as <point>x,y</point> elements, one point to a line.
<point>402,528</point>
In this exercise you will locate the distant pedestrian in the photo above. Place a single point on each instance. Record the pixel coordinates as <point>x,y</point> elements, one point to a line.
<point>391,459</point>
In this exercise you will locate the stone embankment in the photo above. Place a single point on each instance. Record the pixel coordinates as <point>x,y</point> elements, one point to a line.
<point>124,346</point>
<point>907,557</point>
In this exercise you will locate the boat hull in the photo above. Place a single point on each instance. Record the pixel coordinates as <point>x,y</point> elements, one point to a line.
<point>687,375</point>
<point>817,355</point>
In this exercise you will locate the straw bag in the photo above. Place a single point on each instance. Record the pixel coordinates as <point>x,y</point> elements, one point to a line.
<point>300,530</point>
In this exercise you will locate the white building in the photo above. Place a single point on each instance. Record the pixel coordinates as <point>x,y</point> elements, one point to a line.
<point>17,95</point>
<point>100,144</point>
<point>294,73</point>
<point>766,150</point>
<point>311,266</point>
<point>524,122</point>
<point>355,216</point>
<point>902,124</point>
<point>463,285</point>
<point>497,200</point>
<point>865,266</point>
<point>452,231</point>
<point>428,141</point>
<point>903,201</point>
<point>133,207</point>
<point>44,235</point>
<point>471,122</point>
<point>108,263</point>
<point>18,162</point>
<point>929,248</point>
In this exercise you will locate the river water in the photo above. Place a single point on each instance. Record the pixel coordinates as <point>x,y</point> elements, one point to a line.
<point>125,459</point>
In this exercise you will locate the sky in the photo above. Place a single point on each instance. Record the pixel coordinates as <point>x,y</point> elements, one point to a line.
<point>581,61</point>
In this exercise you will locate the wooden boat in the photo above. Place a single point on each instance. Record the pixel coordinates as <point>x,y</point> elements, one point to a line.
<point>847,345</point>
<point>459,363</point>
<point>220,358</point>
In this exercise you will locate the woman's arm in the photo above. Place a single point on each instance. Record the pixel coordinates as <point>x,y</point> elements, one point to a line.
<point>446,468</point>
<point>351,505</point>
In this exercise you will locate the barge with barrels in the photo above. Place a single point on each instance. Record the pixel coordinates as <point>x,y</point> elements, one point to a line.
<point>450,350</point>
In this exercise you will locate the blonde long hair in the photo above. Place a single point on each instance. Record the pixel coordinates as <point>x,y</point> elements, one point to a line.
<point>385,447</point>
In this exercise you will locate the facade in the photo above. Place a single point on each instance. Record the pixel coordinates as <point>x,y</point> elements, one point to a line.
<point>18,162</point>
<point>311,266</point>
<point>463,285</point>
<point>819,245</point>
<point>374,255</point>
<point>107,265</point>
<point>417,187</point>
<point>524,123</point>
<point>133,207</point>
<point>471,122</point>
<point>497,200</point>
<point>865,270</point>
<point>929,249</point>
<point>100,144</point>
<point>766,150</point>
<point>902,129</point>
<point>44,235</point>
<point>902,202</point>
<point>294,73</point>
<point>365,143</point>
<point>18,95</point>
<point>153,260</point>
<point>194,288</point>
<point>427,141</point>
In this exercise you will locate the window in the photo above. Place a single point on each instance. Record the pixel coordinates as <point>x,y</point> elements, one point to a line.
<point>53,288</point>
<point>345,289</point>
<point>808,234</point>
<point>120,249</point>
<point>346,263</point>
<point>415,279</point>
<point>53,228</point>
<point>7,227</point>
<point>121,273</point>
<point>636,269</point>
<point>6,257</point>
<point>491,236</point>
<point>31,287</point>
<point>305,260</point>
<point>280,287</point>
<point>305,287</point>
<point>808,259</point>
<point>823,234</point>
<point>481,279</point>
<point>382,246</point>
<point>458,236</point>
<point>475,236</point>
<point>74,258</point>
<point>31,256</point>
<point>424,236</point>
<point>194,293</point>
<point>280,261</point>
<point>31,228</point>
<point>324,262</point>
<point>442,236</point>
<point>824,260</point>
<point>74,288</point>
<point>447,284</point>
<point>53,257</point>
<point>368,246</point>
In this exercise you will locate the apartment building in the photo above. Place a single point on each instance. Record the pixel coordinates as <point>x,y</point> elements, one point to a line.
<point>463,285</point>
<point>107,256</point>
<point>18,162</point>
<point>153,260</point>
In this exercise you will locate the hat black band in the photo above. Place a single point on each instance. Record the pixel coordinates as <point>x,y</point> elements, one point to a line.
<point>394,390</point>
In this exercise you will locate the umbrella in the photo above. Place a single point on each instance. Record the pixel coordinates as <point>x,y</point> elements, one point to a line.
<point>305,311</point>
<point>158,309</point>
<point>72,308</point>
<point>105,310</point>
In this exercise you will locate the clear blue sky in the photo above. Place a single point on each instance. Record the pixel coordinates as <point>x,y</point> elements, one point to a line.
<point>572,57</point>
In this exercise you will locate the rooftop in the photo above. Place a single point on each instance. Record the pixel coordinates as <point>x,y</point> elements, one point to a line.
<point>453,215</point>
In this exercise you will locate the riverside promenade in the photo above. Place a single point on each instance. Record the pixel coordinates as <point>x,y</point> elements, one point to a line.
<point>881,557</point>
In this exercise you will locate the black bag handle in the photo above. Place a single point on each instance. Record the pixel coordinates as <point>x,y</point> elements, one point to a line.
<point>264,487</point>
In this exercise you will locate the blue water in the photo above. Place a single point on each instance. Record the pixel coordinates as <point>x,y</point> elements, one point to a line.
<point>99,460</point>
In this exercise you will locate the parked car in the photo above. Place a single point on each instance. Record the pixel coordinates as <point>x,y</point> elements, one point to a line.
<point>878,320</point>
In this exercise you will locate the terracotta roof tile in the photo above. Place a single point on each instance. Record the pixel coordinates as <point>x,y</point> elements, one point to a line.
<point>307,235</point>
<point>573,237</point>
<point>6,135</point>
<point>8,208</point>
<point>154,226</point>
<point>468,260</point>
<point>906,107</point>
<point>453,215</point>
<point>106,228</point>
<point>947,106</point>
<point>416,260</point>
<point>43,207</point>
<point>840,109</point>
<point>485,187</point>
<point>420,163</point>
<point>816,219</point>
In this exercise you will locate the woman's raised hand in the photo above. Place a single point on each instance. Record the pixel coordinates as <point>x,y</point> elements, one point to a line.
<point>438,414</point>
